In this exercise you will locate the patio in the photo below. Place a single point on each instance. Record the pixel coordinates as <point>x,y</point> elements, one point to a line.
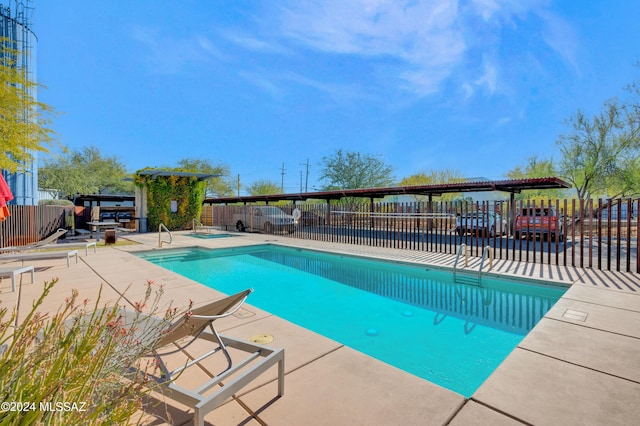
<point>580,365</point>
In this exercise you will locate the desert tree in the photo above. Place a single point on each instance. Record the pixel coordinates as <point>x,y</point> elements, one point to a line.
<point>602,151</point>
<point>353,170</point>
<point>219,186</point>
<point>84,171</point>
<point>25,123</point>
<point>536,167</point>
<point>263,187</point>
<point>434,177</point>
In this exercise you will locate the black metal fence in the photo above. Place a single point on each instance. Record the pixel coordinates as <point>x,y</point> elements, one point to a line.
<point>600,234</point>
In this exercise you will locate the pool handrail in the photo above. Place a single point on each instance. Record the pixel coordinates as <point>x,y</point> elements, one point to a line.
<point>161,227</point>
<point>486,250</point>
<point>198,226</point>
<point>466,259</point>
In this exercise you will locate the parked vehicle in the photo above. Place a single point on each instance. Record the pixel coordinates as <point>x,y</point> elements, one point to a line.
<point>268,219</point>
<point>485,223</point>
<point>539,221</point>
<point>612,211</point>
<point>308,218</point>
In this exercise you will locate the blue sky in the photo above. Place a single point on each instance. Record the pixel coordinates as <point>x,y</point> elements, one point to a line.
<point>476,86</point>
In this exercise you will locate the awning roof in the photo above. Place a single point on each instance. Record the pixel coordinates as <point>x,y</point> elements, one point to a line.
<point>156,173</point>
<point>513,186</point>
<point>79,199</point>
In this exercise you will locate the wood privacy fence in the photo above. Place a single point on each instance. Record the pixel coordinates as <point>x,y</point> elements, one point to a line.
<point>27,224</point>
<point>600,234</point>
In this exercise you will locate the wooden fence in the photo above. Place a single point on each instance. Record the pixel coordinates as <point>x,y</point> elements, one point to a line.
<point>27,224</point>
<point>600,234</point>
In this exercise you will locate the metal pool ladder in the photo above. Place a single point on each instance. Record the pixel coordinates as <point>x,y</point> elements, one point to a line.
<point>468,280</point>
<point>161,228</point>
<point>461,249</point>
<point>487,250</point>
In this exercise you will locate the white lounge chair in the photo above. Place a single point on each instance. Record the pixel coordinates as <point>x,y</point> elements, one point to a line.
<point>40,255</point>
<point>198,326</point>
<point>75,244</point>
<point>14,271</point>
<point>38,244</point>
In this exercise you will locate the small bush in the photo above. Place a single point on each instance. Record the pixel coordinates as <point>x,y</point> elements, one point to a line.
<point>55,203</point>
<point>67,368</point>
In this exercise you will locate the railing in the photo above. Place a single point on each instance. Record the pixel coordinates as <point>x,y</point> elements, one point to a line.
<point>598,234</point>
<point>461,249</point>
<point>487,250</point>
<point>162,228</point>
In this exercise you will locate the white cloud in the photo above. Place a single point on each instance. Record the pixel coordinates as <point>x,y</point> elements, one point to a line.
<point>169,55</point>
<point>561,37</point>
<point>487,8</point>
<point>420,35</point>
<point>338,92</point>
<point>489,78</point>
<point>253,43</point>
<point>417,46</point>
<point>263,83</point>
<point>426,41</point>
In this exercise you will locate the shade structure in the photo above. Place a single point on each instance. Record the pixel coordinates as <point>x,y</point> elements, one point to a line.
<point>5,197</point>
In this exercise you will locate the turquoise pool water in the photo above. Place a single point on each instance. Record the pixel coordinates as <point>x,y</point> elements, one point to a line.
<point>419,320</point>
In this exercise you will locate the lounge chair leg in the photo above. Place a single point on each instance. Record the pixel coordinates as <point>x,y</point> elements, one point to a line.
<point>198,418</point>
<point>281,376</point>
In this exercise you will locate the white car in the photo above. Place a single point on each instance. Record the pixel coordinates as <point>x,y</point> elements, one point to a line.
<point>267,219</point>
<point>477,223</point>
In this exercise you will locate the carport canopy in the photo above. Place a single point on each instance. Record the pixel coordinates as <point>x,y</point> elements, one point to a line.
<point>511,186</point>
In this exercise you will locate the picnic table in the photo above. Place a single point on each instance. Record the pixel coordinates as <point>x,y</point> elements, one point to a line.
<point>103,227</point>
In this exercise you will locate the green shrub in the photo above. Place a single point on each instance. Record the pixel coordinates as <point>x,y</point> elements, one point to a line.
<point>187,191</point>
<point>64,203</point>
<point>67,368</point>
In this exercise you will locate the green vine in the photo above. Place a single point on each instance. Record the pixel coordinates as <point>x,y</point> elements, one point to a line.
<point>187,191</point>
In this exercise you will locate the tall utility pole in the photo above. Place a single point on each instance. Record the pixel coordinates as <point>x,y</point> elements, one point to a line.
<point>238,185</point>
<point>306,182</point>
<point>282,184</point>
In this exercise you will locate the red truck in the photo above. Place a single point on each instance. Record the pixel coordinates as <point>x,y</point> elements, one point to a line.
<point>539,221</point>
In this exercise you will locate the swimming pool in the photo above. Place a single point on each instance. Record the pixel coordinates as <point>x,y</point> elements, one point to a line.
<point>414,318</point>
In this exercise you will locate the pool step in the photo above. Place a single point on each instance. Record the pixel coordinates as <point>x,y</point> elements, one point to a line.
<point>467,279</point>
<point>181,256</point>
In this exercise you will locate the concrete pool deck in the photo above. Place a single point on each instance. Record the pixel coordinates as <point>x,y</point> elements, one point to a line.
<point>580,365</point>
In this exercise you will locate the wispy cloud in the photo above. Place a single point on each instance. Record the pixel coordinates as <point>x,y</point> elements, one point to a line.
<point>427,41</point>
<point>419,34</point>
<point>488,80</point>
<point>341,93</point>
<point>170,55</point>
<point>265,84</point>
<point>281,85</point>
<point>562,38</point>
<point>253,43</point>
<point>410,46</point>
